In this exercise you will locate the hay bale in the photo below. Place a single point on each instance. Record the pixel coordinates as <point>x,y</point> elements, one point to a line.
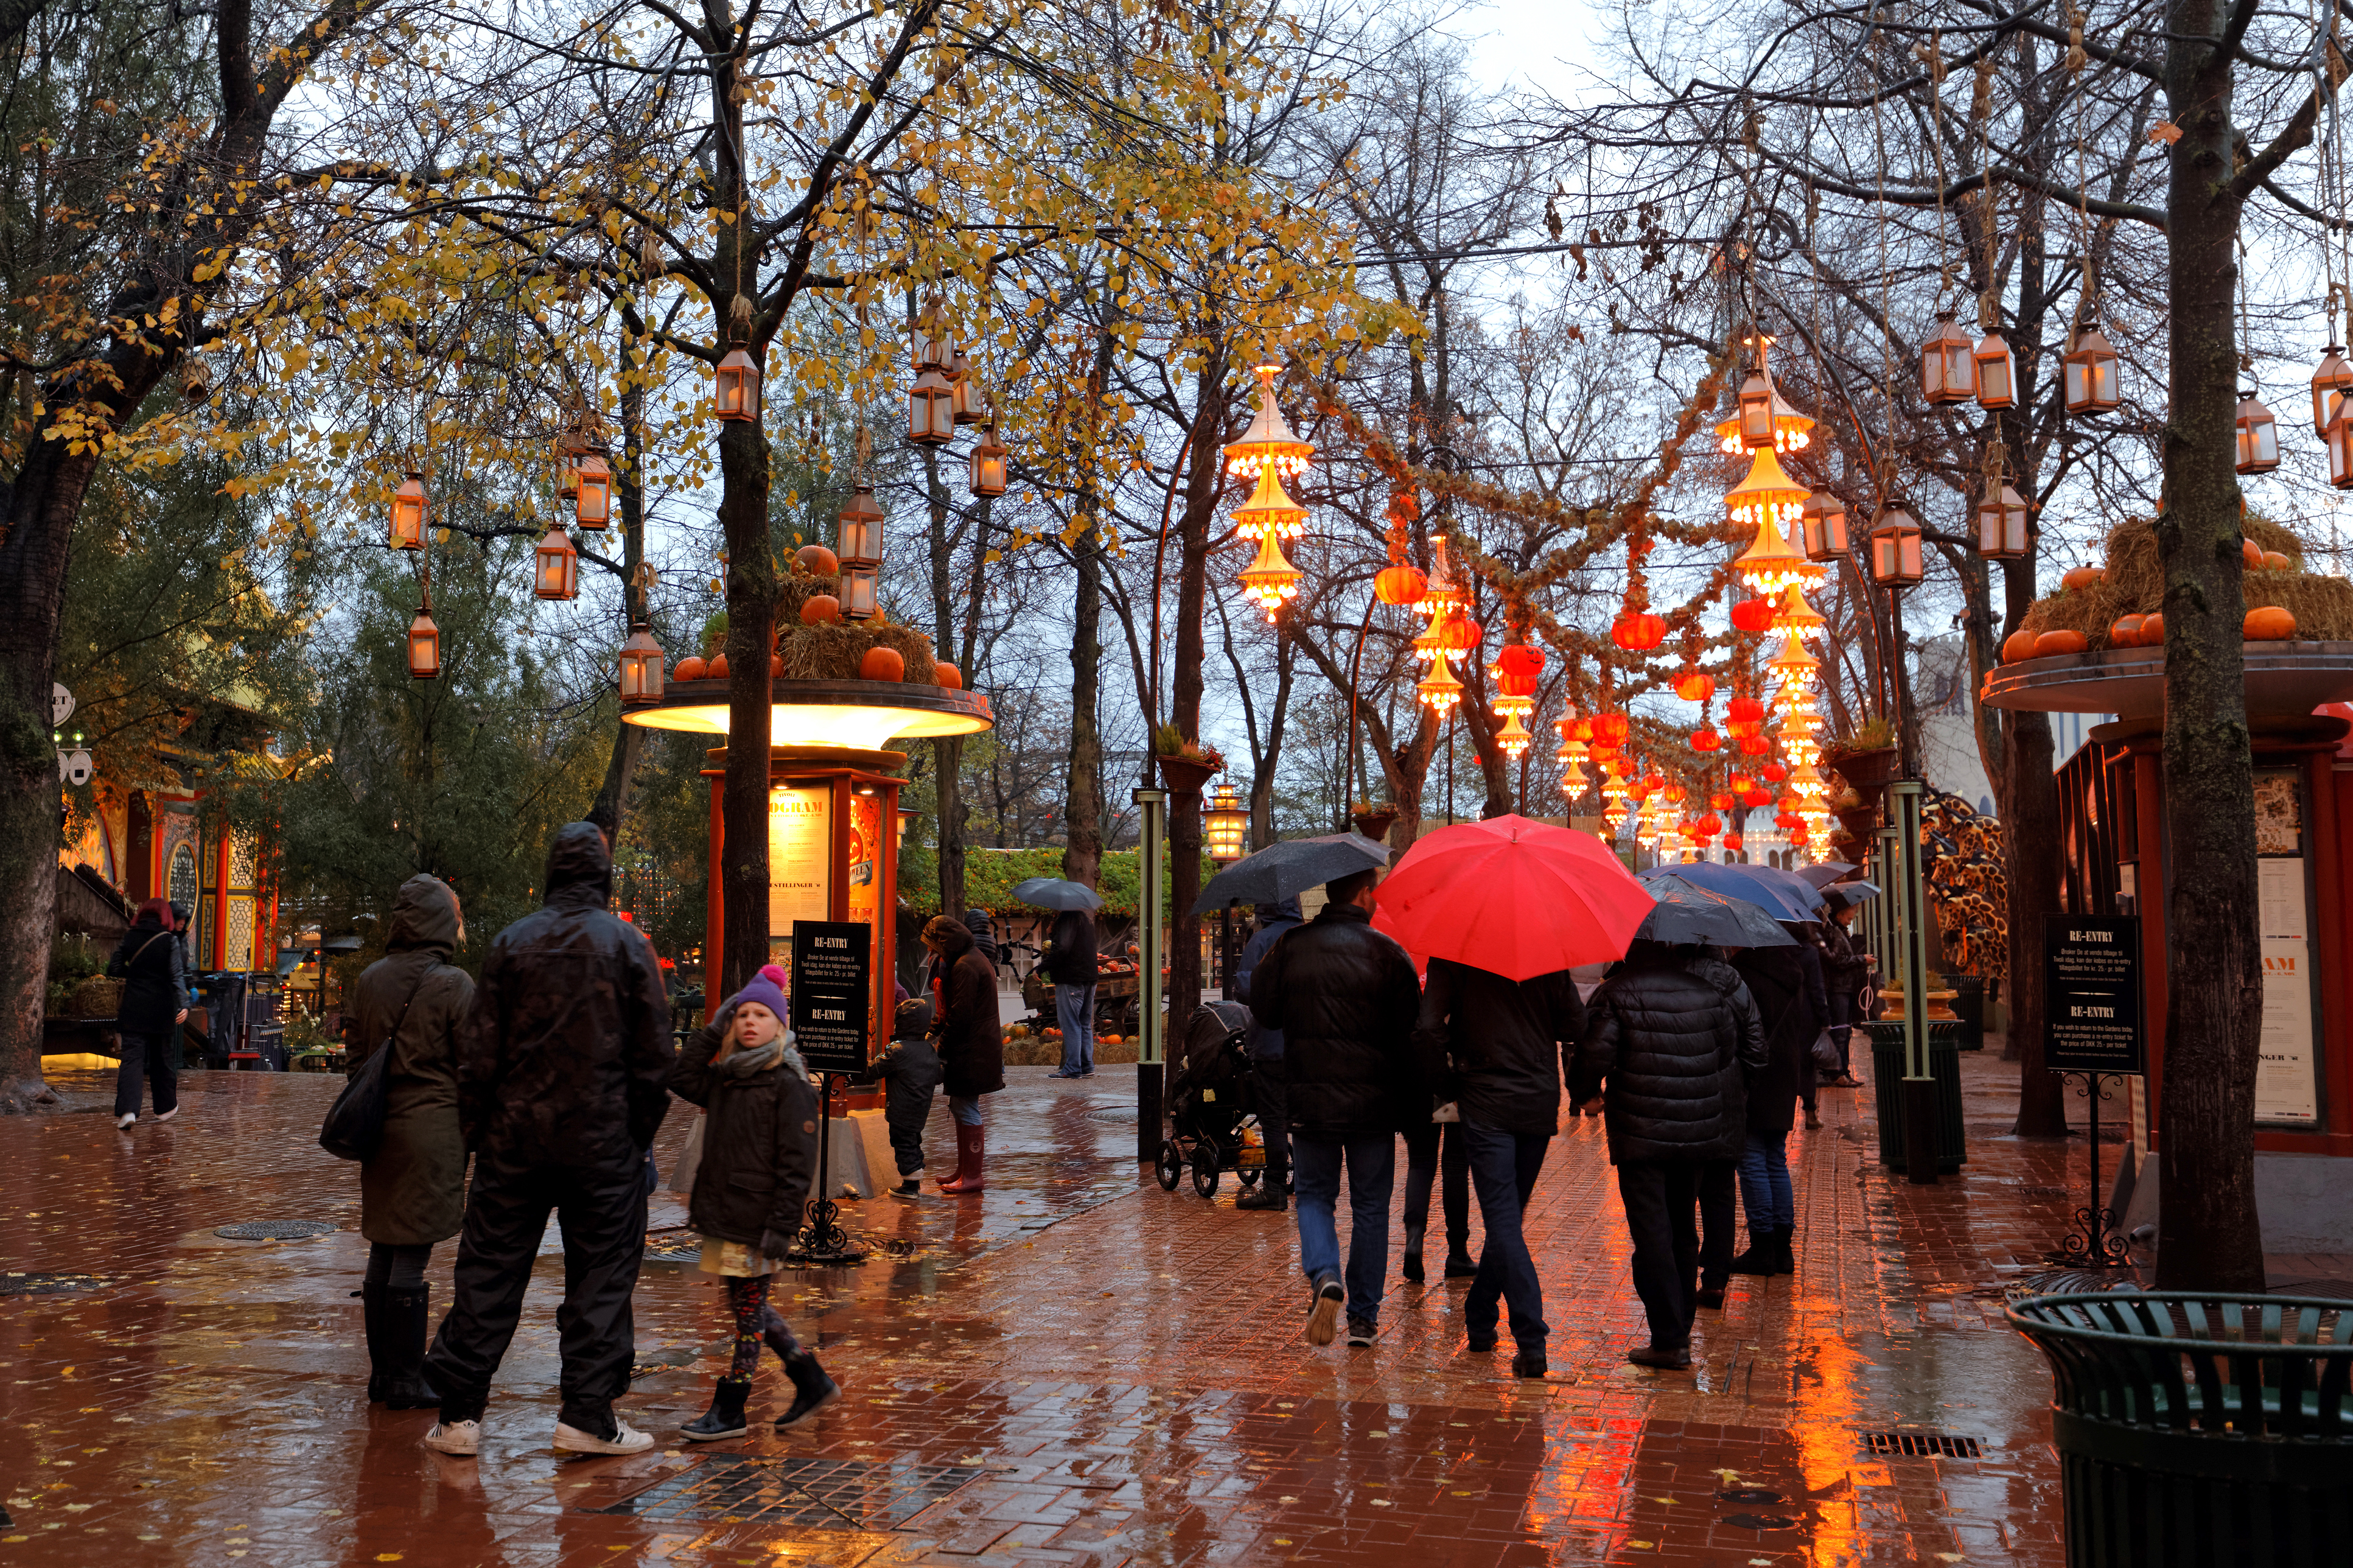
<point>2134,584</point>
<point>912,646</point>
<point>796,588</point>
<point>2322,606</point>
<point>829,651</point>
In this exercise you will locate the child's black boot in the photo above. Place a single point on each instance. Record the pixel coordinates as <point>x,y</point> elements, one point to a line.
<point>725,1417</point>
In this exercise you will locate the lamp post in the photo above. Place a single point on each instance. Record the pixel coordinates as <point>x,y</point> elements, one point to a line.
<point>1151,1025</point>
<point>1226,826</point>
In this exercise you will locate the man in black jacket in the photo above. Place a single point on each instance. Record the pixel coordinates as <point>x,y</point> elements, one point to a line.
<point>1265,1048</point>
<point>562,1073</point>
<point>1344,997</point>
<point>1498,1048</point>
<point>1070,963</point>
<point>1672,1037</point>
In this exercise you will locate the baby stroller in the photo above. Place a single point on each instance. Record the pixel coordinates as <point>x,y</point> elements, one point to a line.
<point>1212,1104</point>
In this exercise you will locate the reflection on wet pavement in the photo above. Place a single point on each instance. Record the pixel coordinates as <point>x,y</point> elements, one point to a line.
<point>1105,1373</point>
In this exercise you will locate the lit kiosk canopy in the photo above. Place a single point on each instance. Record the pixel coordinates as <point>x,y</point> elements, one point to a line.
<point>833,805</point>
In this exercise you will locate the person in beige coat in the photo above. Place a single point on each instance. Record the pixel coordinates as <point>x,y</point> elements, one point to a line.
<point>413,1188</point>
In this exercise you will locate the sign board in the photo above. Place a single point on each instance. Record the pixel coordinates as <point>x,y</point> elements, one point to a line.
<point>833,991</point>
<point>800,860</point>
<point>2090,991</point>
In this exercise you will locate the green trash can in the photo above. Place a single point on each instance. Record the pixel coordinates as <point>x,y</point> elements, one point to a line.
<point>2199,1430</point>
<point>1887,1090</point>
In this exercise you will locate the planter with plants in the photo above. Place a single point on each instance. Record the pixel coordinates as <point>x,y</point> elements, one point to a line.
<point>1185,765</point>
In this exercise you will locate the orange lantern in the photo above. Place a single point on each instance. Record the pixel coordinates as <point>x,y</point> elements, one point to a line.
<point>1705,740</point>
<point>1517,669</point>
<point>1400,585</point>
<point>1610,729</point>
<point>1773,773</point>
<point>1746,710</point>
<point>1696,687</point>
<point>1753,615</point>
<point>1720,801</point>
<point>1637,630</point>
<point>1674,793</point>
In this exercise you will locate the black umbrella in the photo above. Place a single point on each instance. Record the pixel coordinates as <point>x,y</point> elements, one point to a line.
<point>1053,892</point>
<point>1825,874</point>
<point>1855,892</point>
<point>1287,869</point>
<point>1690,913</point>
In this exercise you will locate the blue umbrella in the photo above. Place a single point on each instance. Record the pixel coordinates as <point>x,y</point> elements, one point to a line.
<point>1780,894</point>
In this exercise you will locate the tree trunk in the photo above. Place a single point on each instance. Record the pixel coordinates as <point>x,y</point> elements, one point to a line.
<point>1082,790</point>
<point>1185,692</point>
<point>947,753</point>
<point>2210,1235</point>
<point>628,740</point>
<point>1267,763</point>
<point>751,632</point>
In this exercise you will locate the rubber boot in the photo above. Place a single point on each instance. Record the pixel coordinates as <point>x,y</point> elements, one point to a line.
<point>812,1389</point>
<point>404,1313</point>
<point>1785,1257</point>
<point>371,1296</point>
<point>1413,1234</point>
<point>972,1145</point>
<point>725,1417</point>
<point>1763,1255</point>
<point>1460,1263</point>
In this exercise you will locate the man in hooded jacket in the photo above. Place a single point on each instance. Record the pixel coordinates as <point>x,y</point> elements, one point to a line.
<point>561,1082</point>
<point>1265,1048</point>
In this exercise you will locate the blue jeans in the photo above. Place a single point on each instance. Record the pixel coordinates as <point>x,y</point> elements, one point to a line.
<point>1503,1168</point>
<point>1074,1010</point>
<point>1765,1183</point>
<point>966,1112</point>
<point>1372,1167</point>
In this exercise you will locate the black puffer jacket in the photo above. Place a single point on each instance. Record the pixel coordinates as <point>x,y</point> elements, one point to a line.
<point>759,1139</point>
<point>1786,984</point>
<point>1670,1034</point>
<point>1344,997</point>
<point>566,1056</point>
<point>155,986</point>
<point>970,1032</point>
<point>1071,951</point>
<point>1499,1047</point>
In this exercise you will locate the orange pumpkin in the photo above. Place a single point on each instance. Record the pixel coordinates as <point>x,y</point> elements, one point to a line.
<point>717,669</point>
<point>2020,645</point>
<point>819,608</point>
<point>817,561</point>
<point>946,674</point>
<point>2053,643</point>
<point>689,669</point>
<point>2275,561</point>
<point>776,666</point>
<point>2081,579</point>
<point>2269,623</point>
<point>2152,630</point>
<point>2252,554</point>
<point>2125,632</point>
<point>882,662</point>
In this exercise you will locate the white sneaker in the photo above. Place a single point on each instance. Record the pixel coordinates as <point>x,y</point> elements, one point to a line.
<point>626,1439</point>
<point>460,1438</point>
<point>166,1116</point>
<point>126,1118</point>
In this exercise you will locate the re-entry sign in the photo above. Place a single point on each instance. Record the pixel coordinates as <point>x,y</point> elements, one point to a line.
<point>2090,991</point>
<point>833,978</point>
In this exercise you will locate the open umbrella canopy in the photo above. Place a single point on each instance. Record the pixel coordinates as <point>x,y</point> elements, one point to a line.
<point>1053,892</point>
<point>1287,869</point>
<point>1686,912</point>
<point>1514,897</point>
<point>1822,875</point>
<point>1852,893</point>
<point>1780,894</point>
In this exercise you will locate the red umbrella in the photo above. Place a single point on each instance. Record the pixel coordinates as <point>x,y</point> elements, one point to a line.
<point>1511,897</point>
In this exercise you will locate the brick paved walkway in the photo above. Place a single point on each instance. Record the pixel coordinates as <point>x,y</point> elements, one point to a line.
<point>1081,1367</point>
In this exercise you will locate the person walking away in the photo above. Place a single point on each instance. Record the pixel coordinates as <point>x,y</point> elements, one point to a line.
<point>983,936</point>
<point>1498,1048</point>
<point>1809,964</point>
<point>1436,1154</point>
<point>1265,1048</point>
<point>1846,968</point>
<point>1071,962</point>
<point>1344,997</point>
<point>1786,988</point>
<point>909,1070</point>
<point>759,1156</point>
<point>562,1079</point>
<point>412,1002</point>
<point>154,1004</point>
<point>972,1042</point>
<point>1668,1037</point>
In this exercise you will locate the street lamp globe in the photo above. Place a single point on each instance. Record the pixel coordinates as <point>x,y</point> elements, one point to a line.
<point>1226,826</point>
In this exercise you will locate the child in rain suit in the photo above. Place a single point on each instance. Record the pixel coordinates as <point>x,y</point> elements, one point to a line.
<point>909,1068</point>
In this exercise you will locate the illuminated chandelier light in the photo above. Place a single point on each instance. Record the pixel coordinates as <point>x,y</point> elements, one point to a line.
<point>1425,647</point>
<point>1268,444</point>
<point>1270,510</point>
<point>1271,579</point>
<point>1440,689</point>
<point>1442,594</point>
<point>1513,737</point>
<point>1764,501</point>
<point>1795,615</point>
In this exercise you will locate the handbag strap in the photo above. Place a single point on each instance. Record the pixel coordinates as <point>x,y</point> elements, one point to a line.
<point>392,1038</point>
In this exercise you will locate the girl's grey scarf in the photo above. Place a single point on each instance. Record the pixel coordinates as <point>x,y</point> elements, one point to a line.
<point>759,1059</point>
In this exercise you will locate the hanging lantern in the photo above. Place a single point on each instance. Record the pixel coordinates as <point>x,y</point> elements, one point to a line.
<point>556,565</point>
<point>1894,547</point>
<point>2090,373</point>
<point>2340,445</point>
<point>1637,630</point>
<point>1822,526</point>
<point>1696,686</point>
<point>1400,585</point>
<point>1425,647</point>
<point>1765,499</point>
<point>1732,844</point>
<point>1756,404</point>
<point>1705,740</point>
<point>2001,522</point>
<point>1224,826</point>
<point>570,444</point>
<point>1457,635</point>
<point>1440,689</point>
<point>1948,372</point>
<point>931,412</point>
<point>1442,595</point>
<point>1610,729</point>
<point>1269,443</point>
<point>1271,579</point>
<point>1520,667</point>
<point>1772,773</point>
<point>1513,737</point>
<point>424,644</point>
<point>2329,383</point>
<point>1997,371</point>
<point>1797,617</point>
<point>859,529</point>
<point>1754,746</point>
<point>1753,615</point>
<point>641,666</point>
<point>2258,436</point>
<point>1745,710</point>
<point>964,389</point>
<point>1270,512</point>
<point>592,499</point>
<point>735,387</point>
<point>409,513</point>
<point>1673,794</point>
<point>988,463</point>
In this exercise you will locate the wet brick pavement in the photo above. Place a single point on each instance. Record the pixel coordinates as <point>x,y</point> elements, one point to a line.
<point>1076,1369</point>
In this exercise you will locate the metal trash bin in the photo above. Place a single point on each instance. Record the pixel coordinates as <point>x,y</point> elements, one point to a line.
<point>2199,1430</point>
<point>1886,1036</point>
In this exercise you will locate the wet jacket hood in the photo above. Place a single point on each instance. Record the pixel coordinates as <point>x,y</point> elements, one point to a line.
<point>954,937</point>
<point>579,867</point>
<point>1281,909</point>
<point>424,914</point>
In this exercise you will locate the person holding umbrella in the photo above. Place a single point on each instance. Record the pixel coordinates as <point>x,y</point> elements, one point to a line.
<point>1070,961</point>
<point>1846,970</point>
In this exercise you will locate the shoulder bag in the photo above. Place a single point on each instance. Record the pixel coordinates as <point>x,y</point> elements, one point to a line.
<point>355,1123</point>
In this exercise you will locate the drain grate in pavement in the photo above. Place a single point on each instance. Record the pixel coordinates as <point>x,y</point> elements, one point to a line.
<point>1114,1113</point>
<point>673,1249</point>
<point>828,1494</point>
<point>1921,1445</point>
<point>13,1283</point>
<point>272,1230</point>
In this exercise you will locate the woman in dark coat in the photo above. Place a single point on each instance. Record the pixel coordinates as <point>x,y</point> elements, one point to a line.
<point>1846,969</point>
<point>1787,987</point>
<point>154,1003</point>
<point>971,1038</point>
<point>411,1001</point>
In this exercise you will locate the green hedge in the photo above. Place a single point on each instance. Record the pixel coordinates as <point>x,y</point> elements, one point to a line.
<point>991,875</point>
